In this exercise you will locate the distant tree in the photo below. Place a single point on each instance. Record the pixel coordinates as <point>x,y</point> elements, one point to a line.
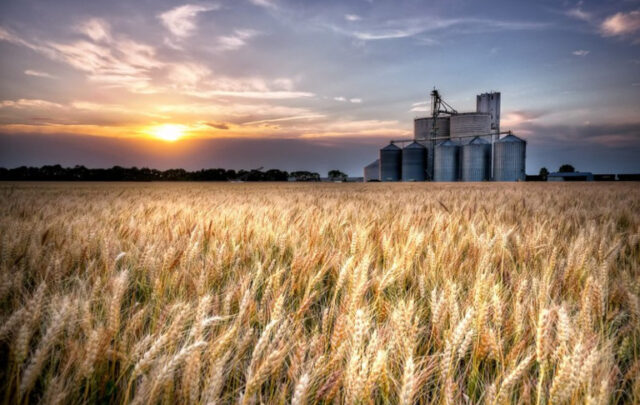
<point>337,175</point>
<point>118,173</point>
<point>305,176</point>
<point>544,173</point>
<point>566,168</point>
<point>276,175</point>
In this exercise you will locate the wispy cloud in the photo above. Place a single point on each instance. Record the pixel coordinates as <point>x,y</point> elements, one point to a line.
<point>420,106</point>
<point>181,21</point>
<point>354,100</point>
<point>11,37</point>
<point>187,75</point>
<point>406,28</point>
<point>265,3</point>
<point>218,125</point>
<point>266,95</point>
<point>122,63</point>
<point>29,103</point>
<point>621,24</point>
<point>283,119</point>
<point>581,52</point>
<point>579,14</point>
<point>358,128</point>
<point>237,40</point>
<point>96,28</point>
<point>38,73</point>
<point>352,17</point>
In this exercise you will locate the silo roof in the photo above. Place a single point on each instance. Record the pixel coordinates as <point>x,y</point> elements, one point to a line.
<point>478,141</point>
<point>448,142</point>
<point>511,138</point>
<point>414,145</point>
<point>391,146</point>
<point>374,163</point>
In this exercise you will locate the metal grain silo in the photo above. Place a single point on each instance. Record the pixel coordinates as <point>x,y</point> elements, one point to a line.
<point>414,160</point>
<point>446,165</point>
<point>509,159</point>
<point>422,129</point>
<point>476,160</point>
<point>390,163</point>
<point>372,171</point>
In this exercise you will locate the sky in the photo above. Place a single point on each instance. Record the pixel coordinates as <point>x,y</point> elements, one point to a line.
<point>310,85</point>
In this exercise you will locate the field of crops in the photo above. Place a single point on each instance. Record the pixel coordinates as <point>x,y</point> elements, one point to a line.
<point>330,293</point>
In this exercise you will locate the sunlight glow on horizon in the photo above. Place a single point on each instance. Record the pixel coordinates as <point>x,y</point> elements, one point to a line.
<point>168,132</point>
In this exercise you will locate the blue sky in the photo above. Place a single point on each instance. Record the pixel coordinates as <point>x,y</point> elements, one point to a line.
<point>310,85</point>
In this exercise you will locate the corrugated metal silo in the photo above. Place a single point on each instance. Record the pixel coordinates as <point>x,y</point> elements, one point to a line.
<point>372,171</point>
<point>476,160</point>
<point>414,159</point>
<point>390,163</point>
<point>509,159</point>
<point>446,166</point>
<point>422,130</point>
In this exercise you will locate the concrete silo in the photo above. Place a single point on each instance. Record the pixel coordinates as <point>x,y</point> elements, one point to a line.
<point>414,162</point>
<point>470,124</point>
<point>446,166</point>
<point>509,159</point>
<point>490,103</point>
<point>390,163</point>
<point>475,160</point>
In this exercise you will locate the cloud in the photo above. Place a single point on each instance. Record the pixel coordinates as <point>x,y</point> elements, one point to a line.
<point>218,125</point>
<point>29,103</point>
<point>351,100</point>
<point>352,17</point>
<point>265,3</point>
<point>11,37</point>
<point>97,29</point>
<point>581,52</point>
<point>406,28</point>
<point>621,24</point>
<point>282,119</point>
<point>37,73</point>
<point>250,87</point>
<point>116,62</point>
<point>421,106</point>
<point>387,34</point>
<point>237,40</point>
<point>187,75</point>
<point>267,95</point>
<point>181,20</point>
<point>579,14</point>
<point>603,136</point>
<point>358,128</point>
<point>122,63</point>
<point>514,119</point>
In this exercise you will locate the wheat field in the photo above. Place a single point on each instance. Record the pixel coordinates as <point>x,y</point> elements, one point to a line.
<point>320,293</point>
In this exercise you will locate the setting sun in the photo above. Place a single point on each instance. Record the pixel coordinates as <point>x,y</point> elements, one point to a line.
<point>168,132</point>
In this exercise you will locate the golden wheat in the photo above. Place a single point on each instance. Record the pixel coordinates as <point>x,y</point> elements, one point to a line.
<point>320,293</point>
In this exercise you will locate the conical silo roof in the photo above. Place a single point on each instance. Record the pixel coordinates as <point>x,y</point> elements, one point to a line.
<point>391,146</point>
<point>511,138</point>
<point>478,141</point>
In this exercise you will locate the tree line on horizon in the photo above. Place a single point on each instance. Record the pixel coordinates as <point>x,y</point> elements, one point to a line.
<point>118,173</point>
